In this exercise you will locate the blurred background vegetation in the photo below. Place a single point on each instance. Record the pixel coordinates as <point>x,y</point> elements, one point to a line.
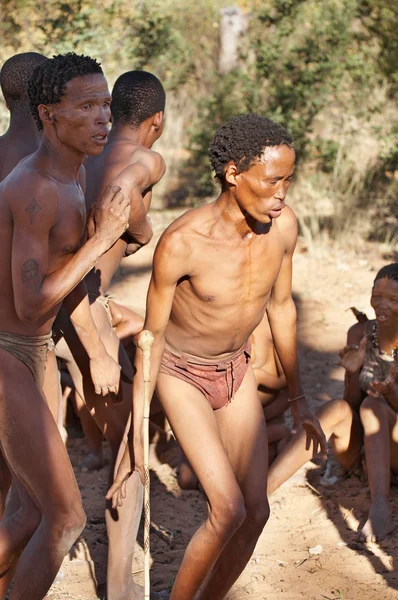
<point>326,69</point>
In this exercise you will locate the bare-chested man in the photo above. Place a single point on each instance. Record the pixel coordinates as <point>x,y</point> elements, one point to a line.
<point>42,225</point>
<point>138,102</point>
<point>21,138</point>
<point>216,270</point>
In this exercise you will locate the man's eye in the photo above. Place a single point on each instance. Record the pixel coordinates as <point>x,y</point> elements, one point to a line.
<point>107,104</point>
<point>86,106</point>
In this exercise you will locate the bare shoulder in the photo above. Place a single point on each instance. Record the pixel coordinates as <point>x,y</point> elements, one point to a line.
<point>27,192</point>
<point>180,238</point>
<point>288,227</point>
<point>356,332</point>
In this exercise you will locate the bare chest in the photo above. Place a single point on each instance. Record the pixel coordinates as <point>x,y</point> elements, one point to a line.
<point>66,235</point>
<point>228,274</point>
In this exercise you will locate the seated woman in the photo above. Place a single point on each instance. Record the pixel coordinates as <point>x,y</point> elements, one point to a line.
<point>368,414</point>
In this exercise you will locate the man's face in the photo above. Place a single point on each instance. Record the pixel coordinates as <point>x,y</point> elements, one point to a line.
<point>82,117</point>
<point>262,189</point>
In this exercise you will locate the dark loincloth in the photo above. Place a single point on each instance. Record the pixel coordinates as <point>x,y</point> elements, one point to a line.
<point>30,350</point>
<point>218,382</point>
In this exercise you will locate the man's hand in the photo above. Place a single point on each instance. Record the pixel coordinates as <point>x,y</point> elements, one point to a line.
<point>109,218</point>
<point>352,356</point>
<point>105,374</point>
<point>303,415</point>
<point>118,490</point>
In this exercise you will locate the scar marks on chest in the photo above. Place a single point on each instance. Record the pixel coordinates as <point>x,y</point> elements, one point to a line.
<point>33,209</point>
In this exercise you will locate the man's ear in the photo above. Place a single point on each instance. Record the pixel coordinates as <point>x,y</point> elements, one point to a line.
<point>46,114</point>
<point>158,120</point>
<point>231,173</point>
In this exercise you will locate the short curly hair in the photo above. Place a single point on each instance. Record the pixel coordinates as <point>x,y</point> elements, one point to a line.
<point>242,140</point>
<point>14,78</point>
<point>48,82</point>
<point>388,271</point>
<point>136,96</point>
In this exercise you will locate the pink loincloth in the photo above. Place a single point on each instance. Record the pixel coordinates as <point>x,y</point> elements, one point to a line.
<point>218,382</point>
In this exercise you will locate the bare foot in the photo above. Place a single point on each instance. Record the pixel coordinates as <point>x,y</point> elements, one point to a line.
<point>379,523</point>
<point>92,462</point>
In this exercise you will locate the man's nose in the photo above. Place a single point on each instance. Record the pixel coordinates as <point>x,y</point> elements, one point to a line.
<point>104,115</point>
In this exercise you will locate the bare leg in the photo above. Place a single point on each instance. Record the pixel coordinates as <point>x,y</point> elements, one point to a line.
<point>34,450</point>
<point>122,524</point>
<point>93,435</point>
<point>380,425</point>
<point>221,460</point>
<point>53,393</point>
<point>126,322</point>
<point>341,426</point>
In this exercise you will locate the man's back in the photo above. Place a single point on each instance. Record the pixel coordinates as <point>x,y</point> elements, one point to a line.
<point>116,165</point>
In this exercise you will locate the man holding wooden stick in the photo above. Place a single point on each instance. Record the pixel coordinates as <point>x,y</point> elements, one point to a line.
<point>216,270</point>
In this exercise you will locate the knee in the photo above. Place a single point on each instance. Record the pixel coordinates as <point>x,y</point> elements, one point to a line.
<point>370,407</point>
<point>67,525</point>
<point>372,412</point>
<point>258,514</point>
<point>227,515</point>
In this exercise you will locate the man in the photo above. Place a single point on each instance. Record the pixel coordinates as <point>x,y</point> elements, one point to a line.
<point>216,270</point>
<point>42,223</point>
<point>22,138</point>
<point>138,102</point>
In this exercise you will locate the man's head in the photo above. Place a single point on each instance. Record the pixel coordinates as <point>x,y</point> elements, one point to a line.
<point>14,79</point>
<point>253,156</point>
<point>69,99</point>
<point>139,97</point>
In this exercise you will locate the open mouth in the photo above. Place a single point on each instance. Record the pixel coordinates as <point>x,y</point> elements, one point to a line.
<point>100,138</point>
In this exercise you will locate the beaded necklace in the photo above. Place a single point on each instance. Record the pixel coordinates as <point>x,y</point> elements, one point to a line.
<point>376,343</point>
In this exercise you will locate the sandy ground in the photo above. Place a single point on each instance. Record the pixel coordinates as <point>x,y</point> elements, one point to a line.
<point>304,514</point>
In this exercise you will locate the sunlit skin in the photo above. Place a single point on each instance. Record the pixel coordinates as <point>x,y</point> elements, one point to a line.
<point>216,270</point>
<point>127,161</point>
<point>361,418</point>
<point>83,117</point>
<point>45,255</point>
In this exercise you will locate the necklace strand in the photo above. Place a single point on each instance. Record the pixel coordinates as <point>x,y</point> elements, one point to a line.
<point>376,343</point>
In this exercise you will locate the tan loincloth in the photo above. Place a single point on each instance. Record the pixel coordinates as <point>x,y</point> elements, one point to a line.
<point>30,350</point>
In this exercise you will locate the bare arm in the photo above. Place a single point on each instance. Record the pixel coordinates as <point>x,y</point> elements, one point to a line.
<point>137,181</point>
<point>356,345</point>
<point>105,372</point>
<point>282,314</point>
<point>169,265</point>
<point>282,317</point>
<point>36,291</point>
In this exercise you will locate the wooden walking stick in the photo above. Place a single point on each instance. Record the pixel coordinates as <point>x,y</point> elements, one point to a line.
<point>144,343</point>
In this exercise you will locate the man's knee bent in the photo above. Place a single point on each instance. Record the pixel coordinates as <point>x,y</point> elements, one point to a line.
<point>67,525</point>
<point>228,515</point>
<point>258,514</point>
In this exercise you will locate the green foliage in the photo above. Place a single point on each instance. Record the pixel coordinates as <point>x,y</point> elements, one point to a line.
<point>326,69</point>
